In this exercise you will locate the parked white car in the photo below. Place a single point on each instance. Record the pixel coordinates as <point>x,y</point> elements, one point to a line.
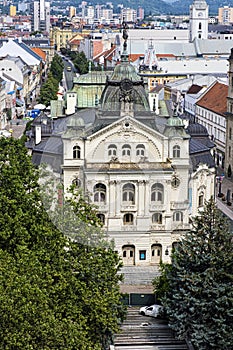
<point>153,310</point>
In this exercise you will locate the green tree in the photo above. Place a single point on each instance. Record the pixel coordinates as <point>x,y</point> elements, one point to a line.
<point>56,67</point>
<point>55,292</point>
<point>199,297</point>
<point>81,63</point>
<point>161,282</point>
<point>48,90</point>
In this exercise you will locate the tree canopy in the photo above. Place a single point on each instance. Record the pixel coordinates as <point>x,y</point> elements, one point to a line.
<point>50,87</point>
<point>55,291</point>
<point>198,288</point>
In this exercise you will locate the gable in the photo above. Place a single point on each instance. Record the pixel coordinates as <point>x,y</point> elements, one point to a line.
<point>215,99</point>
<point>126,131</point>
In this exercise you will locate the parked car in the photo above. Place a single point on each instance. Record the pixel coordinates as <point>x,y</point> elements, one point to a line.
<point>153,310</point>
<point>68,68</point>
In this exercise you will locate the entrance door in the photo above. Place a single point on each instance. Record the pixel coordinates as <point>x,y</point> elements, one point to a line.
<point>156,253</point>
<point>128,254</point>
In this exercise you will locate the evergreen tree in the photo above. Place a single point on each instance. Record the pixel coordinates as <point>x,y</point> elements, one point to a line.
<point>48,90</point>
<point>56,67</point>
<point>199,298</point>
<point>55,293</point>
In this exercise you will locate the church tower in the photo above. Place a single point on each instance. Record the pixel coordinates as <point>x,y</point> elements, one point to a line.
<point>229,122</point>
<point>198,20</point>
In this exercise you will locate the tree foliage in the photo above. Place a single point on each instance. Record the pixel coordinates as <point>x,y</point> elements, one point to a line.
<point>50,87</point>
<point>55,292</point>
<point>199,297</point>
<point>48,90</point>
<point>57,67</point>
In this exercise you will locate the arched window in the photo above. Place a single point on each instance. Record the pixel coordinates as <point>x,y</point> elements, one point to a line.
<point>128,193</point>
<point>112,150</point>
<point>128,219</point>
<point>99,192</point>
<point>101,217</point>
<point>76,152</point>
<point>199,26</point>
<point>201,199</point>
<point>126,150</point>
<point>177,216</point>
<point>76,182</point>
<point>157,218</point>
<point>140,150</point>
<point>157,193</point>
<point>176,151</point>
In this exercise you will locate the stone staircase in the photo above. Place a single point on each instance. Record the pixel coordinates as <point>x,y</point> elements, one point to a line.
<point>139,275</point>
<point>141,333</point>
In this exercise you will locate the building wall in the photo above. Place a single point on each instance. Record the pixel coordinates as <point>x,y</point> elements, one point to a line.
<point>225,15</point>
<point>216,127</point>
<point>229,123</point>
<point>60,37</point>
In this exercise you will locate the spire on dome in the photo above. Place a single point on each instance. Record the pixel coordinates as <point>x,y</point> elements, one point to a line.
<point>125,56</point>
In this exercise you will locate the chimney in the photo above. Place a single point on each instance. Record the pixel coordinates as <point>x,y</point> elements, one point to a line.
<point>37,134</point>
<point>71,98</point>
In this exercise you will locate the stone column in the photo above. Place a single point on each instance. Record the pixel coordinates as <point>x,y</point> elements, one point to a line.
<point>112,197</point>
<point>118,197</point>
<point>141,197</point>
<point>147,197</point>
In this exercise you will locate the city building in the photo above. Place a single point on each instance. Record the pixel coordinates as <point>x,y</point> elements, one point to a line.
<point>41,16</point>
<point>198,20</point>
<point>229,123</point>
<point>128,15</point>
<point>12,10</point>
<point>144,172</point>
<point>210,112</point>
<point>225,15</point>
<point>72,11</point>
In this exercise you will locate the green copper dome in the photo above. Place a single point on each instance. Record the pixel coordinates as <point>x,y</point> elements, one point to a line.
<point>125,70</point>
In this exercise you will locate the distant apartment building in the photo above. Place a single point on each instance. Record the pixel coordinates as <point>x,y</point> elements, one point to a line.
<point>12,10</point>
<point>225,15</point>
<point>72,11</point>
<point>41,16</point>
<point>140,13</point>
<point>128,15</point>
<point>23,7</point>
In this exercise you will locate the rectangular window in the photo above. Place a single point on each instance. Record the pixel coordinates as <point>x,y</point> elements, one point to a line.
<point>142,255</point>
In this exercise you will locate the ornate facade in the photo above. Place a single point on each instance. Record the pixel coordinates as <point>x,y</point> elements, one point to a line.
<point>145,173</point>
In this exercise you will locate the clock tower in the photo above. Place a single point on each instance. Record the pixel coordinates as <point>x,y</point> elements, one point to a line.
<point>198,20</point>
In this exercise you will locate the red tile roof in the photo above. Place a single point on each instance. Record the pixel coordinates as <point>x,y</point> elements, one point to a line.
<point>134,56</point>
<point>39,52</point>
<point>215,99</point>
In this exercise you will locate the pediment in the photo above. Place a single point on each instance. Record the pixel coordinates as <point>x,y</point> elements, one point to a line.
<point>126,126</point>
